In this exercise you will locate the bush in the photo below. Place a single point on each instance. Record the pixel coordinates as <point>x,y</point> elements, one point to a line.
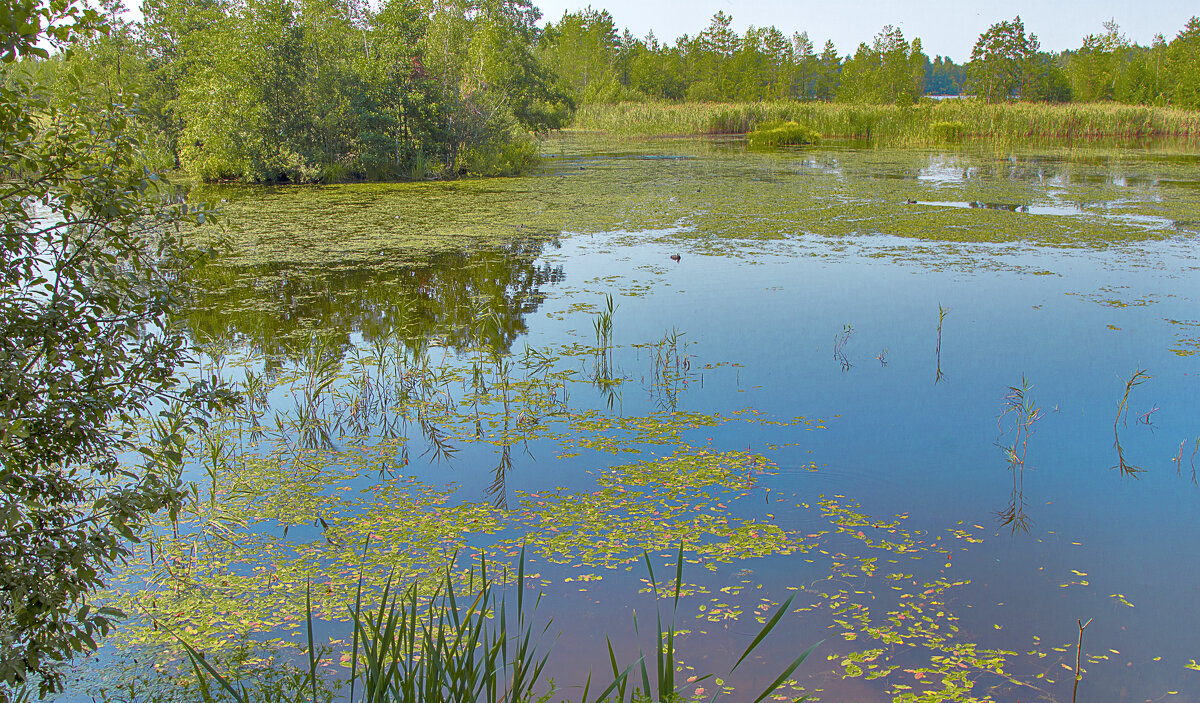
<point>503,158</point>
<point>771,134</point>
<point>89,359</point>
<point>947,131</point>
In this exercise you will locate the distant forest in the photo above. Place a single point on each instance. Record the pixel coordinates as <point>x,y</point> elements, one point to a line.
<point>596,63</point>
<point>328,90</point>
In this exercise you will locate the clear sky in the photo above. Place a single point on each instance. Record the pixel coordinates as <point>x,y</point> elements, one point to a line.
<point>946,27</point>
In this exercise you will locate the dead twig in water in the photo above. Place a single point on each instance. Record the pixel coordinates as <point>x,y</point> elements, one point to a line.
<point>1078,654</point>
<point>938,351</point>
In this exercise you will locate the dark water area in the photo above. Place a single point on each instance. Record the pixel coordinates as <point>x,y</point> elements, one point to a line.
<point>804,379</point>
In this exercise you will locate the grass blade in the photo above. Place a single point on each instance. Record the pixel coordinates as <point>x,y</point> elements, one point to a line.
<point>240,697</point>
<point>678,576</point>
<point>786,673</point>
<point>312,652</point>
<point>357,617</point>
<point>764,631</point>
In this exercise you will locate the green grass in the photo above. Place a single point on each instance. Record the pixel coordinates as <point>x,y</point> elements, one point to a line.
<point>926,123</point>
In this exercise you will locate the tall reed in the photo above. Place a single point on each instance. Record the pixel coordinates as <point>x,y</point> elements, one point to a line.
<point>926,123</point>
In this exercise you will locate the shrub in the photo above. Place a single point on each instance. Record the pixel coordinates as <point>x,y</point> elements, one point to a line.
<point>501,158</point>
<point>947,131</point>
<point>782,134</point>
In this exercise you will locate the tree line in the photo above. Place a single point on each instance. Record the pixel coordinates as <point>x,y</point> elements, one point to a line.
<point>596,63</point>
<point>323,90</point>
<point>328,90</point>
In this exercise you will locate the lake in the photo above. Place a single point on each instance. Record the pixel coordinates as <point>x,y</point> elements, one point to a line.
<point>945,400</point>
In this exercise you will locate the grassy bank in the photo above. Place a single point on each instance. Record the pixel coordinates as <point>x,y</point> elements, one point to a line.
<point>929,122</point>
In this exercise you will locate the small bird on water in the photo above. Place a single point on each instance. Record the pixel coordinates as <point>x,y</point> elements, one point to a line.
<point>675,257</point>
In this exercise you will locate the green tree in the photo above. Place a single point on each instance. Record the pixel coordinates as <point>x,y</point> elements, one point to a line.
<point>1183,56</point>
<point>245,111</point>
<point>1050,82</point>
<point>172,37</point>
<point>710,56</point>
<point>482,55</point>
<point>890,70</point>
<point>1095,66</point>
<point>1143,78</point>
<point>944,77</point>
<point>657,70</point>
<point>91,248</point>
<point>777,65</point>
<point>582,49</point>
<point>804,75</point>
<point>828,73</point>
<point>1003,62</point>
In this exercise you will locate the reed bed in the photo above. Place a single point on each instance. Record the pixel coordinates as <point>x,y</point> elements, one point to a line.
<point>927,122</point>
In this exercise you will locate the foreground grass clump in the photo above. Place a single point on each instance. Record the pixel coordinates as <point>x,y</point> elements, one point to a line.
<point>465,648</point>
<point>926,123</point>
<point>947,131</point>
<point>782,134</point>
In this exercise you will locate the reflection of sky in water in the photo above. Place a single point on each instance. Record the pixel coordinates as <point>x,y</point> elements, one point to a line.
<point>946,170</point>
<point>1072,322</point>
<point>1150,221</point>
<point>902,444</point>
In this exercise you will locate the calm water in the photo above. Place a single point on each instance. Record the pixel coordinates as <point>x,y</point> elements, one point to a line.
<point>784,397</point>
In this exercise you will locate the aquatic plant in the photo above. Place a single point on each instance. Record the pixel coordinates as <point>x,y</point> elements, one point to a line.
<point>664,687</point>
<point>1179,458</point>
<point>937,352</point>
<point>1024,413</point>
<point>839,346</point>
<point>602,364</point>
<point>671,367</point>
<point>947,131</point>
<point>410,653</point>
<point>1139,377</point>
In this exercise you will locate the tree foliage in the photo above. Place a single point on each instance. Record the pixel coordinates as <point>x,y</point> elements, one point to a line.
<point>1004,62</point>
<point>324,90</point>
<point>889,70</point>
<point>584,47</point>
<point>1095,66</point>
<point>596,64</point>
<point>1183,61</point>
<point>944,77</point>
<point>88,352</point>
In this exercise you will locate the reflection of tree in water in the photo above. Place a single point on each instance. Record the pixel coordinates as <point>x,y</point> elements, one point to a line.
<point>267,307</point>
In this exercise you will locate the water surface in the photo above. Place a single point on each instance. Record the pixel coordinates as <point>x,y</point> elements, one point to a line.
<point>811,398</point>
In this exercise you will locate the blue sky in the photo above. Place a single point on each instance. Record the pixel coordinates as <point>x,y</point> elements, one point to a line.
<point>946,27</point>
